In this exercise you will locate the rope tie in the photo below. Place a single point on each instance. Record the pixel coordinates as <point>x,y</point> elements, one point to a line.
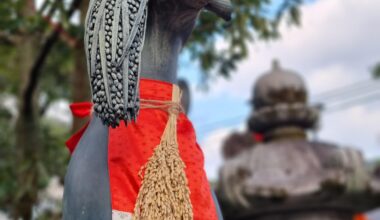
<point>164,192</point>
<point>169,106</point>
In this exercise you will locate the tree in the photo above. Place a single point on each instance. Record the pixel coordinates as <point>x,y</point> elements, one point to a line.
<point>41,53</point>
<point>27,25</point>
<point>252,20</point>
<point>376,70</point>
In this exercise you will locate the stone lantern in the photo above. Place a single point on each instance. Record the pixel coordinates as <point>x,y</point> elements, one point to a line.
<point>280,106</point>
<point>288,176</point>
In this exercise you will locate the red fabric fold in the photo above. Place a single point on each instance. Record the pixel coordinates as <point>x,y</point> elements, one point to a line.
<point>80,110</point>
<point>130,147</point>
<point>258,137</point>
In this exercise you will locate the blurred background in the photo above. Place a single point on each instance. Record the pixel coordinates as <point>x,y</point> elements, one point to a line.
<point>284,99</point>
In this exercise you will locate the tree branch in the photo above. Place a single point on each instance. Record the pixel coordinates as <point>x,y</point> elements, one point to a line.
<point>70,41</point>
<point>7,38</point>
<point>35,72</point>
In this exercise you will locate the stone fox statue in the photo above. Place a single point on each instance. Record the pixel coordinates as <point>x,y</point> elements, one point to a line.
<point>150,166</point>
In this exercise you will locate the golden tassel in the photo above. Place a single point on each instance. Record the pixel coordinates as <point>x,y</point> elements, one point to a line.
<point>164,193</point>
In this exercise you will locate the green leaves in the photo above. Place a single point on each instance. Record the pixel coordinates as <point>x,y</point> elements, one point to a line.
<point>376,70</point>
<point>31,151</point>
<point>220,46</point>
<point>9,19</point>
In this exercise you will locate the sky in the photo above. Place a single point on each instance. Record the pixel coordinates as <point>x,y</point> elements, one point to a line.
<point>335,46</point>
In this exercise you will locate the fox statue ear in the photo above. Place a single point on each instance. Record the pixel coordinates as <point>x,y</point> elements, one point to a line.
<point>222,8</point>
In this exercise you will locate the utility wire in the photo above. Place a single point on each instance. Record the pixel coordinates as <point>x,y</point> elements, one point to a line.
<point>346,90</point>
<point>360,100</point>
<point>210,125</point>
<point>370,92</point>
<point>328,109</point>
<point>347,96</point>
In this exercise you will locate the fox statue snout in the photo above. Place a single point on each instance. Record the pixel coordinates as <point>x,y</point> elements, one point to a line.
<point>222,8</point>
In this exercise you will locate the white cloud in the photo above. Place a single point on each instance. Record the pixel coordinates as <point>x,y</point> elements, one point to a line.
<point>335,47</point>
<point>9,102</point>
<point>212,149</point>
<point>329,78</point>
<point>60,111</point>
<point>3,216</point>
<point>336,37</point>
<point>356,127</point>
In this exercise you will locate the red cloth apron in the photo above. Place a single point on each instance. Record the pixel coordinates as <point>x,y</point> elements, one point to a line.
<point>131,146</point>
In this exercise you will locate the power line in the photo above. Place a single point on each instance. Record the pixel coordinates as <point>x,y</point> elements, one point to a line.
<point>370,92</point>
<point>364,99</point>
<point>343,88</point>
<point>210,125</point>
<point>328,108</point>
<point>353,98</point>
<point>368,84</point>
<point>348,96</point>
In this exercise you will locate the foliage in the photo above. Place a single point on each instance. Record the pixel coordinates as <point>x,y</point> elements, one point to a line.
<point>52,163</point>
<point>8,80</point>
<point>7,185</point>
<point>20,22</point>
<point>56,79</point>
<point>376,70</point>
<point>252,20</point>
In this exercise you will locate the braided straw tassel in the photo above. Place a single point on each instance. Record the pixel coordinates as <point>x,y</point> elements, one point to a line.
<point>164,193</point>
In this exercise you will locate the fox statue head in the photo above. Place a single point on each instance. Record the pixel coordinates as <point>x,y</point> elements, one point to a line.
<point>114,40</point>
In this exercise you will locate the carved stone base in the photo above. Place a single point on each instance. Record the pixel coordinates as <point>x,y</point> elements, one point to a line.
<point>320,206</point>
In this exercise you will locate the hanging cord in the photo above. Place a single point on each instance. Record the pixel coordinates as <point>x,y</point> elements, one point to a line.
<point>168,106</point>
<point>164,193</point>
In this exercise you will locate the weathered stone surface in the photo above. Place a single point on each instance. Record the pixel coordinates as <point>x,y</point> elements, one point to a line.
<point>286,176</point>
